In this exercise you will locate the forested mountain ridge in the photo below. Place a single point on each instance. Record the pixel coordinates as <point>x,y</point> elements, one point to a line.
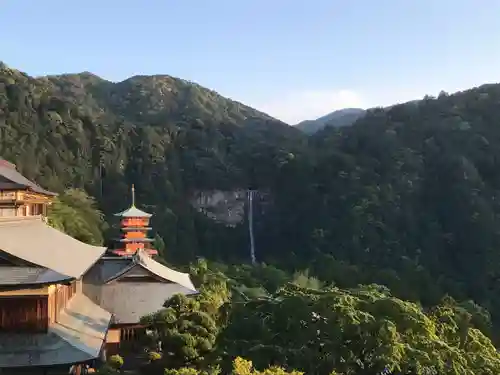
<point>406,198</point>
<point>168,136</point>
<point>157,99</point>
<point>339,118</point>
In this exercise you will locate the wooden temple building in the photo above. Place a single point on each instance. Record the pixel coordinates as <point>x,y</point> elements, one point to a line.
<point>20,196</point>
<point>130,288</point>
<point>62,302</point>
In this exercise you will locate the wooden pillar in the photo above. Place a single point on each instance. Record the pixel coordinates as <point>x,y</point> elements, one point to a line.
<point>103,355</point>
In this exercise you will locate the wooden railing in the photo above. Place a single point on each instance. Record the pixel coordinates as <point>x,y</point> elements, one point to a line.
<point>135,222</point>
<point>132,334</point>
<point>8,196</point>
<point>133,247</point>
<point>34,313</point>
<point>24,314</point>
<point>133,235</point>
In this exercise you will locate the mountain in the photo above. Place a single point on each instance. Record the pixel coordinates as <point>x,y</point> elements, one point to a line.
<point>342,117</point>
<point>170,137</point>
<point>407,197</point>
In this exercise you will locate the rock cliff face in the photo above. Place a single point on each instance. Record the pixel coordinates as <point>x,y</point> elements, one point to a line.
<point>225,207</point>
<point>229,207</point>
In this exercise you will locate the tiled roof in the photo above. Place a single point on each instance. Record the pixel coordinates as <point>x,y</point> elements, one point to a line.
<point>29,276</point>
<point>76,337</point>
<point>141,259</point>
<point>133,212</point>
<point>128,301</point>
<point>106,268</point>
<point>30,239</point>
<point>9,172</point>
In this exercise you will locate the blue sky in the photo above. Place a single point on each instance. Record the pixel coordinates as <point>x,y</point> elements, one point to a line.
<point>294,59</point>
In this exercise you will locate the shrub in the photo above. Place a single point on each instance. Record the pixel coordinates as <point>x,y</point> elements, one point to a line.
<point>154,356</point>
<point>115,362</point>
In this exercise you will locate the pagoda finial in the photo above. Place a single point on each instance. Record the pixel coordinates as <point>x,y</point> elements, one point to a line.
<point>133,195</point>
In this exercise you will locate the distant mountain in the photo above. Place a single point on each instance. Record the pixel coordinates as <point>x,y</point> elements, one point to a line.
<point>342,117</point>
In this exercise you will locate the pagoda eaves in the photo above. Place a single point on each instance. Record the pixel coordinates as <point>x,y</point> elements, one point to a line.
<point>133,212</point>
<point>134,226</point>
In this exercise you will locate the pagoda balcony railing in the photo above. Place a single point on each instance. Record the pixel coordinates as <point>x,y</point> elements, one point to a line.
<point>135,222</point>
<point>135,235</point>
<point>132,229</point>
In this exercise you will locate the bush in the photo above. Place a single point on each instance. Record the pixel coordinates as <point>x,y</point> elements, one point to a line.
<point>154,356</point>
<point>115,362</point>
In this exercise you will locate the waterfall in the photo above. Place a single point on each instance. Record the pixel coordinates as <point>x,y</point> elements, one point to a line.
<point>250,194</point>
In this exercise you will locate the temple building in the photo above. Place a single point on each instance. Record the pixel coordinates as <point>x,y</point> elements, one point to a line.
<point>63,302</point>
<point>130,288</point>
<point>134,225</point>
<point>46,323</point>
<point>129,283</point>
<point>20,196</point>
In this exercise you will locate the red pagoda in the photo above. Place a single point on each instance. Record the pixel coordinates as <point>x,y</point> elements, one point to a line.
<point>134,226</point>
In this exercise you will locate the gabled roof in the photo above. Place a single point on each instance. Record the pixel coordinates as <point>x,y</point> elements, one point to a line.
<point>76,337</point>
<point>30,239</point>
<point>130,301</point>
<point>109,284</point>
<point>16,180</point>
<point>141,259</point>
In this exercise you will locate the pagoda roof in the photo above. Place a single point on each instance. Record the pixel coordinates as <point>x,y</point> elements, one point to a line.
<point>12,179</point>
<point>143,239</point>
<point>132,299</point>
<point>133,212</point>
<point>30,239</point>
<point>76,337</point>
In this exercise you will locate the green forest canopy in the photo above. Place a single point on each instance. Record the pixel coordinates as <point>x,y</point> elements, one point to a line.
<point>406,197</point>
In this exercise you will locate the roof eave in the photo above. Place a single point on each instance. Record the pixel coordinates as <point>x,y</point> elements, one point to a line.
<point>41,190</point>
<point>19,286</point>
<point>136,213</point>
<point>105,249</point>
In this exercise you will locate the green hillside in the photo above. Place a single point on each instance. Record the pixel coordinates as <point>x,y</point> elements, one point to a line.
<point>168,136</point>
<point>407,197</point>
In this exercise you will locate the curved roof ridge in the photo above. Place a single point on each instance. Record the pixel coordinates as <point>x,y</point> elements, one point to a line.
<point>142,259</point>
<point>10,172</point>
<point>32,240</point>
<point>165,272</point>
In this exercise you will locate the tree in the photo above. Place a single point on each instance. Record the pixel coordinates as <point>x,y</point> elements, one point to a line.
<point>358,331</point>
<point>159,245</point>
<point>75,213</point>
<point>187,334</point>
<point>240,367</point>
